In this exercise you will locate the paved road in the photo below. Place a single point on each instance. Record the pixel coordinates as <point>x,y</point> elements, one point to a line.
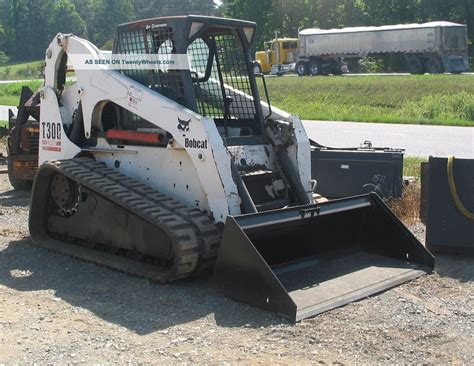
<point>415,139</point>
<point>4,112</point>
<point>373,74</point>
<point>18,81</point>
<point>396,74</point>
<point>267,76</point>
<point>286,75</point>
<point>28,80</point>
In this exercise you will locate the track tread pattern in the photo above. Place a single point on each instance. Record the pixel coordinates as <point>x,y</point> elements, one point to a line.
<point>194,236</point>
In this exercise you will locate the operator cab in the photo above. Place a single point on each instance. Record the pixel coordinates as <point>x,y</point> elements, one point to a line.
<point>218,82</point>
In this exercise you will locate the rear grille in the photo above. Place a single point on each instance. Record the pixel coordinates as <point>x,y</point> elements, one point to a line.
<point>33,165</point>
<point>30,137</point>
<point>33,142</point>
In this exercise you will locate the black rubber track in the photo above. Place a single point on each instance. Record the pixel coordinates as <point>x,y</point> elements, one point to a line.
<point>195,239</point>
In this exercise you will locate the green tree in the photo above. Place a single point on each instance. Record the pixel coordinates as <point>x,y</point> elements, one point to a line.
<point>3,56</point>
<point>331,13</point>
<point>377,12</point>
<point>289,16</point>
<point>8,18</point>
<point>87,10</point>
<point>110,13</point>
<point>65,19</point>
<point>37,31</point>
<point>460,11</point>
<point>156,8</point>
<point>260,12</point>
<point>28,25</point>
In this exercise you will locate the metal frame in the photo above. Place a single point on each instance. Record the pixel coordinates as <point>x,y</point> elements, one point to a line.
<point>195,167</point>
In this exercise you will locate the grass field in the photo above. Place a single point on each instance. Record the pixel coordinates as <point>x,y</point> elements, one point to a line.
<point>412,166</point>
<point>22,71</point>
<point>425,99</point>
<point>10,93</point>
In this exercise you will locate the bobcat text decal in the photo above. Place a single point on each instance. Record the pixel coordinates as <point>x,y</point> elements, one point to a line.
<point>195,144</point>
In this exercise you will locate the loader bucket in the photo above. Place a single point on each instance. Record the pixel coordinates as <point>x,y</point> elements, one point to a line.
<point>302,261</point>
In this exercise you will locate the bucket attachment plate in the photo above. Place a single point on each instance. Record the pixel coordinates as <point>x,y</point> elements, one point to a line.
<point>302,261</point>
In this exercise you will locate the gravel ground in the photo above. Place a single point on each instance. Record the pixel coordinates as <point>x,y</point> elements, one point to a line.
<point>55,309</point>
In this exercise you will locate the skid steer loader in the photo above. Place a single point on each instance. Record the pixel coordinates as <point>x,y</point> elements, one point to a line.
<point>166,173</point>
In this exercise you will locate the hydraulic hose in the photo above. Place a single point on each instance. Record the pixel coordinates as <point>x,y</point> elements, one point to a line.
<point>454,193</point>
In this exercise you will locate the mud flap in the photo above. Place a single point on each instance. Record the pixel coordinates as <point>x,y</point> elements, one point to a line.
<point>302,261</point>
<point>455,63</point>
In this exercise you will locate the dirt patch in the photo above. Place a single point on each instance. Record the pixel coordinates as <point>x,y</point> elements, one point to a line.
<point>55,309</point>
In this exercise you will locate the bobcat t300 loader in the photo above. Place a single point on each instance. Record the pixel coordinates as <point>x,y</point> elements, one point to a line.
<point>169,172</point>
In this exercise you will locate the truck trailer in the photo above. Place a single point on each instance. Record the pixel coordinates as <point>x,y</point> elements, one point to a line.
<point>433,48</point>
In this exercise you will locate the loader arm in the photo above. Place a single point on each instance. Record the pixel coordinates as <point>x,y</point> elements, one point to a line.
<point>101,85</point>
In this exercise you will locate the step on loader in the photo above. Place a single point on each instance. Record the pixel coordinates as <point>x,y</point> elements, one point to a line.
<point>166,172</point>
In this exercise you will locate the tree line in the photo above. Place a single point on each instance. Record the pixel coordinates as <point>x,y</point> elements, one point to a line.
<point>27,26</point>
<point>288,16</point>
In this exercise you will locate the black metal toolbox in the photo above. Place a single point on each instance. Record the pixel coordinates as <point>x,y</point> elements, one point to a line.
<point>350,172</point>
<point>449,205</point>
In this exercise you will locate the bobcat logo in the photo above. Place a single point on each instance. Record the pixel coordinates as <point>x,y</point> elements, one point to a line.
<point>183,125</point>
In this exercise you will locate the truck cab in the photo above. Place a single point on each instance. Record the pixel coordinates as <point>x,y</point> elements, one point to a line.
<point>278,57</point>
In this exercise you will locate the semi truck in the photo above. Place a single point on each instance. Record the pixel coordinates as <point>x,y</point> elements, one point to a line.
<point>433,47</point>
<point>278,58</point>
